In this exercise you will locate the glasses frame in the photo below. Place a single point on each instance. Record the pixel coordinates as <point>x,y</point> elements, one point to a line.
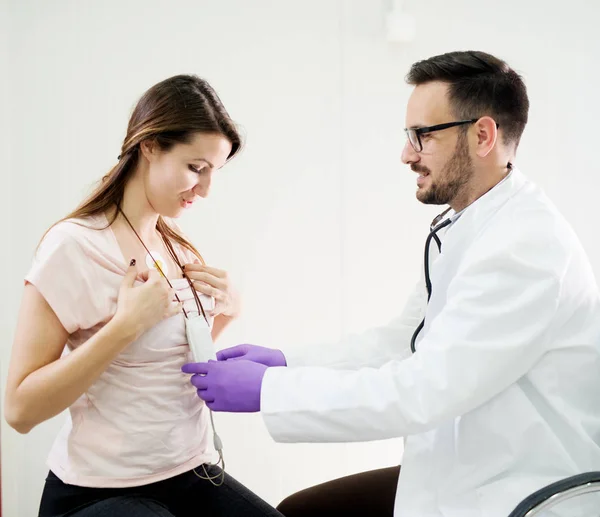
<point>414,133</point>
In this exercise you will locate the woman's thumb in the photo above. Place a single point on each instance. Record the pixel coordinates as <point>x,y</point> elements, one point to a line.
<point>130,275</point>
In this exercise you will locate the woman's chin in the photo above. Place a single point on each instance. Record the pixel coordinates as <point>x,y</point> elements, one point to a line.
<point>172,213</point>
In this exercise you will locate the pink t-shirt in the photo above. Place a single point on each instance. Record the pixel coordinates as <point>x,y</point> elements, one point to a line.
<point>142,420</point>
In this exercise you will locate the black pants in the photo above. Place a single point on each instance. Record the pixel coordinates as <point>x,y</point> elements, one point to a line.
<point>185,495</point>
<point>370,494</point>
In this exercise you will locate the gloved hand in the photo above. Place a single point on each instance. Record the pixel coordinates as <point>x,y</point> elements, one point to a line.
<point>232,386</point>
<point>254,353</point>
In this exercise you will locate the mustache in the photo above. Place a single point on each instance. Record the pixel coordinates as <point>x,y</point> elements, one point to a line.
<point>419,168</point>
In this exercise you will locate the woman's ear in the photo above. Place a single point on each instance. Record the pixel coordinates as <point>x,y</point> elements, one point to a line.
<point>148,148</point>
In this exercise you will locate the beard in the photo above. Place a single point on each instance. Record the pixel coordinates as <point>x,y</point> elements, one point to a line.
<point>453,179</point>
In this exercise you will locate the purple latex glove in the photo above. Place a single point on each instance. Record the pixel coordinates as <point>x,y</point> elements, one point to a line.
<point>228,386</point>
<point>254,353</point>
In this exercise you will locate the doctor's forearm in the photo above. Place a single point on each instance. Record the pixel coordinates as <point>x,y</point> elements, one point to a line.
<point>323,405</point>
<point>398,399</point>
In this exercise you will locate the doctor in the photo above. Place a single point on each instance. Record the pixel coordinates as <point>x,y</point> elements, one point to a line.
<point>492,372</point>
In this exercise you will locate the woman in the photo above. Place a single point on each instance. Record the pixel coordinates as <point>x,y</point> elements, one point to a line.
<point>113,280</point>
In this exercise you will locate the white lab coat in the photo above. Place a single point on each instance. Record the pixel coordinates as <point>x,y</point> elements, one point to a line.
<point>502,396</point>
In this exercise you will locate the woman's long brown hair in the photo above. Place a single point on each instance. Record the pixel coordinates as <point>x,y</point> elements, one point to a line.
<point>169,113</point>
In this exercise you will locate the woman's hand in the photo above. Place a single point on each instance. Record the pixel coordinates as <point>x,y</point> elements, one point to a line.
<point>141,307</point>
<point>215,282</point>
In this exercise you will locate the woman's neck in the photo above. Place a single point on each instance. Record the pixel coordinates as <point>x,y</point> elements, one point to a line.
<point>137,209</point>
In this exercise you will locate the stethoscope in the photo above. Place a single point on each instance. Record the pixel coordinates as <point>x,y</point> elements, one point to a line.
<point>434,228</point>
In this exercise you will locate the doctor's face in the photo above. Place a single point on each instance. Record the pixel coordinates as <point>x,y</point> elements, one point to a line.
<point>442,157</point>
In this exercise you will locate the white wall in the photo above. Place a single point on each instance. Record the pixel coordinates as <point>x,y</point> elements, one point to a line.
<point>317,219</point>
<point>6,322</point>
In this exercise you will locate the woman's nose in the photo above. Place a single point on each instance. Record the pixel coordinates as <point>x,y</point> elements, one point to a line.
<point>203,186</point>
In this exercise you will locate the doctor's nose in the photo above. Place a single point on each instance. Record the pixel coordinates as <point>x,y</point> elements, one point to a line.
<point>409,155</point>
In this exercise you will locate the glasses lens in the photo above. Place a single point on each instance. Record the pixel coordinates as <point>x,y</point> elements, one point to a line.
<point>413,138</point>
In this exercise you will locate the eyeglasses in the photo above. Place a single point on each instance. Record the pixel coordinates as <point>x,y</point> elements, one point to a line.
<point>414,133</point>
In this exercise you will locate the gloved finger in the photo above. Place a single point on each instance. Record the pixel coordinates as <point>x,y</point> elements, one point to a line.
<point>214,406</point>
<point>230,353</point>
<point>240,358</point>
<point>206,395</point>
<point>195,368</point>
<point>200,382</point>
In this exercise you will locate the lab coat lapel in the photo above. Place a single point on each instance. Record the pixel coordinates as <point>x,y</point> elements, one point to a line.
<point>475,217</point>
<point>461,234</point>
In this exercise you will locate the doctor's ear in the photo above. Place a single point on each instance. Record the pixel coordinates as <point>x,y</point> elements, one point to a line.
<point>486,135</point>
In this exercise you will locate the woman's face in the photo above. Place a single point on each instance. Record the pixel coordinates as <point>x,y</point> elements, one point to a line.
<point>175,178</point>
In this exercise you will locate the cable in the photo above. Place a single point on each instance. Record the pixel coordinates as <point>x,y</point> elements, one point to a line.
<point>218,444</point>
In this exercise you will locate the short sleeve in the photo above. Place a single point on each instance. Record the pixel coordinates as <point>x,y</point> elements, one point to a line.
<point>62,273</point>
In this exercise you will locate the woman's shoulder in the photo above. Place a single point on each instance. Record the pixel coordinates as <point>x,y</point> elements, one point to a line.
<point>75,232</point>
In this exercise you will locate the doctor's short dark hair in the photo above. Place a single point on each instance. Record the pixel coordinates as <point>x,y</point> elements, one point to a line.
<point>479,85</point>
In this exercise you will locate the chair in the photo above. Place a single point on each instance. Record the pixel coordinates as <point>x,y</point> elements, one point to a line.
<point>548,497</point>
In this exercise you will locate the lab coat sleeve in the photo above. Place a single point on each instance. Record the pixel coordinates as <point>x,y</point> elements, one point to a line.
<point>374,347</point>
<point>492,330</point>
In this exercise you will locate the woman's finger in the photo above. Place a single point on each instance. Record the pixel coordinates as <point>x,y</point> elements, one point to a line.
<point>208,290</point>
<point>219,273</point>
<point>207,278</point>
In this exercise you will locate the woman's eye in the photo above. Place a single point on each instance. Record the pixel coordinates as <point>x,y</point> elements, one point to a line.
<point>196,169</point>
